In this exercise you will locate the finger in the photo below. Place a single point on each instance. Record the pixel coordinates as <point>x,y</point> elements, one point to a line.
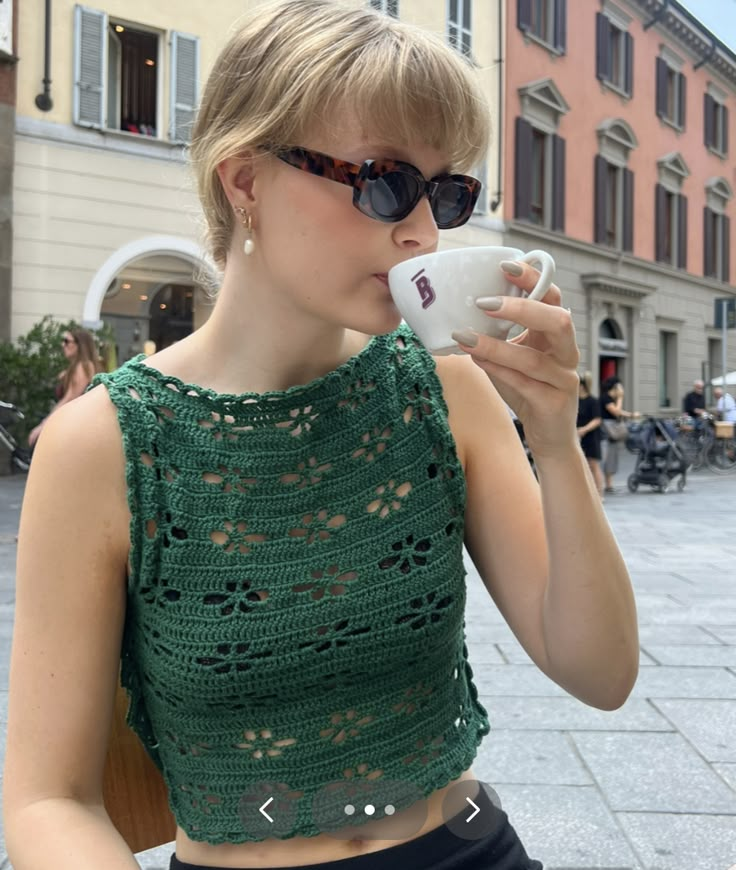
<point>517,389</point>
<point>532,363</point>
<point>527,279</point>
<point>553,321</point>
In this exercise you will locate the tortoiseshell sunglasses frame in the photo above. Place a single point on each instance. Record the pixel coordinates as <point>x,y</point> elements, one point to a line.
<point>359,177</point>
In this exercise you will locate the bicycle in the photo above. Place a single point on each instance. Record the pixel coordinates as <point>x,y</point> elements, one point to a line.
<point>696,438</point>
<point>19,457</point>
<point>721,456</point>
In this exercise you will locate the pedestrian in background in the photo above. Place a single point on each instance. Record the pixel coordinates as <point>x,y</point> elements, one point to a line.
<point>693,403</point>
<point>613,420</point>
<point>725,405</point>
<point>276,542</point>
<point>84,362</point>
<point>589,428</point>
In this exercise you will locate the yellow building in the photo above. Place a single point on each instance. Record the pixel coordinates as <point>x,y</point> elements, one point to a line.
<point>106,225</point>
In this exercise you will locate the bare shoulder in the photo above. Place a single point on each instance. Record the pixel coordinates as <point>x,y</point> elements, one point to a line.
<point>80,452</point>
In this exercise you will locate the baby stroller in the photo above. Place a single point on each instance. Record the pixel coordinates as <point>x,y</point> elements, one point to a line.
<point>659,458</point>
<point>20,458</point>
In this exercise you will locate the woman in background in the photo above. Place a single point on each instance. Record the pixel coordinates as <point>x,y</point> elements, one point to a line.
<point>84,363</point>
<point>589,428</point>
<point>612,411</point>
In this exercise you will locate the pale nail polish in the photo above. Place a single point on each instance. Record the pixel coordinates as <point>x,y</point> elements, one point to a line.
<point>489,303</point>
<point>466,337</point>
<point>511,268</point>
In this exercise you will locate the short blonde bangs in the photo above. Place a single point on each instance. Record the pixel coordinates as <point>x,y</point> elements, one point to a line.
<point>303,65</point>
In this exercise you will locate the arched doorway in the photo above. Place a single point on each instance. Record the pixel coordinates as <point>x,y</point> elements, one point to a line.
<point>149,293</point>
<point>612,351</point>
<point>152,303</point>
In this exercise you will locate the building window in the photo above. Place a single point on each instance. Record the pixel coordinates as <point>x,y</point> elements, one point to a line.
<point>539,171</point>
<point>539,175</point>
<point>671,227</point>
<point>667,368</point>
<point>671,93</point>
<point>390,7</point>
<point>132,80</point>
<point>545,21</point>
<point>716,126</point>
<point>717,231</point>
<point>118,80</point>
<point>459,25</point>
<point>670,207</point>
<point>613,187</point>
<point>614,54</point>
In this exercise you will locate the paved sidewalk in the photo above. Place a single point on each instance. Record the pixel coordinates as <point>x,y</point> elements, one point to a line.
<point>649,787</point>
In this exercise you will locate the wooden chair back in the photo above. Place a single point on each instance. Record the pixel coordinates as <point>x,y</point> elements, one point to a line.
<point>134,791</point>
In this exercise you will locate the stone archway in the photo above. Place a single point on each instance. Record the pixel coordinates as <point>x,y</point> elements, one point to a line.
<point>130,253</point>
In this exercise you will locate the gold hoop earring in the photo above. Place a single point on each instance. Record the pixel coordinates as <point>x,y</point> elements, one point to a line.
<point>247,221</point>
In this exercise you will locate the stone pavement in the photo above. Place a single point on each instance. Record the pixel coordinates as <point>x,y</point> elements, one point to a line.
<point>651,786</point>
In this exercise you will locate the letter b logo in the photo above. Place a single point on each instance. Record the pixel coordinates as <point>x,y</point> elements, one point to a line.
<point>424,286</point>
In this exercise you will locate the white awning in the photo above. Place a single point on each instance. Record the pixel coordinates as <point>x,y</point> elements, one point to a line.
<point>730,380</point>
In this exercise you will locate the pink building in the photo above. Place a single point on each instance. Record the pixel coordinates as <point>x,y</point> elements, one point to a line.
<point>618,158</point>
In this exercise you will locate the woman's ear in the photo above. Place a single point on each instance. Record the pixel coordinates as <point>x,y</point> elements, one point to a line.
<point>237,176</point>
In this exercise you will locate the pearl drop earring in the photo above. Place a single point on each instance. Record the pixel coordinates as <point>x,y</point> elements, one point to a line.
<point>247,221</point>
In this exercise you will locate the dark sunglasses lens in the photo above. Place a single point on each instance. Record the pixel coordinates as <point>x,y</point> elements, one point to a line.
<point>392,195</point>
<point>453,203</point>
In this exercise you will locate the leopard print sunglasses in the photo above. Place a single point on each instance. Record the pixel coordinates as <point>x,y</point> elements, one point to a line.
<point>389,190</point>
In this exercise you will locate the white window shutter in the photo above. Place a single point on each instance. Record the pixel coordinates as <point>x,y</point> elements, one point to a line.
<point>183,85</point>
<point>90,66</point>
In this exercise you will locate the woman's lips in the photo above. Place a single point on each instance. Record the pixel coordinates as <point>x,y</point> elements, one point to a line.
<point>382,276</point>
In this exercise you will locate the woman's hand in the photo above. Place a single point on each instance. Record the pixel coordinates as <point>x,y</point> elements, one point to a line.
<point>535,372</point>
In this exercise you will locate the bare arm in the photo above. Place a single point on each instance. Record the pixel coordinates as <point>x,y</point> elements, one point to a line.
<point>545,551</point>
<point>70,609</point>
<point>616,408</point>
<point>589,426</point>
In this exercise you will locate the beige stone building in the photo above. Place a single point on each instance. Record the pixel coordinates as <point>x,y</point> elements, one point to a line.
<point>106,224</point>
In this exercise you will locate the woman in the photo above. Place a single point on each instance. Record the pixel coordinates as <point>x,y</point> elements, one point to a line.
<point>284,573</point>
<point>588,425</point>
<point>612,400</point>
<point>83,363</point>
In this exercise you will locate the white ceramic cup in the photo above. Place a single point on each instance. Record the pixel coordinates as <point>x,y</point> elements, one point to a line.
<point>436,293</point>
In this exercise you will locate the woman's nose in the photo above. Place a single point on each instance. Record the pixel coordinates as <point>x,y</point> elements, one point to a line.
<point>418,229</point>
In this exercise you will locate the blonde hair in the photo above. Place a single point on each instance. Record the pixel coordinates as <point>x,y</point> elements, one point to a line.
<point>586,382</point>
<point>297,64</point>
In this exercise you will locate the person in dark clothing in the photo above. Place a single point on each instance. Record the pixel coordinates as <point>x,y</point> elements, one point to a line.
<point>612,398</point>
<point>589,428</point>
<point>693,404</point>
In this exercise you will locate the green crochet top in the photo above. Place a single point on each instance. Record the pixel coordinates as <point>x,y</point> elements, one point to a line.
<point>295,607</point>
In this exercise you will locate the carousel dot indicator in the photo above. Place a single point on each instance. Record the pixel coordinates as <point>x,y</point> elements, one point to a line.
<point>349,810</point>
<point>370,809</point>
<point>390,810</point>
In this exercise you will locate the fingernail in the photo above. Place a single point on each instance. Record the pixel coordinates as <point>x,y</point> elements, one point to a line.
<point>511,268</point>
<point>489,303</point>
<point>466,337</point>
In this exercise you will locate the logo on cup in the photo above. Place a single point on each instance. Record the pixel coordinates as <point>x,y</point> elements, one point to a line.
<point>426,291</point>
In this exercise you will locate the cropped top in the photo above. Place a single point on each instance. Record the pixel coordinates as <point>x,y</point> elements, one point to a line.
<point>296,593</point>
